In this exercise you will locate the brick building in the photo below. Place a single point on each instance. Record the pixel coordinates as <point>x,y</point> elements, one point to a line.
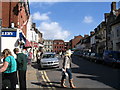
<point>75,41</point>
<point>67,45</point>
<point>58,46</point>
<point>15,14</point>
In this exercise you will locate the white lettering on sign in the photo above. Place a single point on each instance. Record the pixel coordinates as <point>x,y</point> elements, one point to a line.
<point>7,33</point>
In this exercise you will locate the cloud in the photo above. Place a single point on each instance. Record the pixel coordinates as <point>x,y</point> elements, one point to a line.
<point>53,30</point>
<point>88,19</point>
<point>42,17</point>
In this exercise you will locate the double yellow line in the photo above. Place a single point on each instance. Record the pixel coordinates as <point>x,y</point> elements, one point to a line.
<point>46,79</point>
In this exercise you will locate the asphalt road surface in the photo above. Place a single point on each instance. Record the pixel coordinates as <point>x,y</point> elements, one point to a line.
<point>86,75</point>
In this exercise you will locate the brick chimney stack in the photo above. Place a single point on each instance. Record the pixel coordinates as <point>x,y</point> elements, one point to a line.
<point>113,6</point>
<point>86,35</point>
<point>92,32</point>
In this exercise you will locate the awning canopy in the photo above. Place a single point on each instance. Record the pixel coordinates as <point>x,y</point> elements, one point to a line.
<point>28,44</point>
<point>40,45</point>
<point>36,45</point>
<point>22,37</point>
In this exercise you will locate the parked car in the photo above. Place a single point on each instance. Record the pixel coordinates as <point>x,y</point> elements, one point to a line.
<point>87,56</point>
<point>92,56</point>
<point>49,60</point>
<point>99,58</point>
<point>111,57</point>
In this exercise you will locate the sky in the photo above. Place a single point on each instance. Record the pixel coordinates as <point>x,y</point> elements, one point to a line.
<point>64,20</point>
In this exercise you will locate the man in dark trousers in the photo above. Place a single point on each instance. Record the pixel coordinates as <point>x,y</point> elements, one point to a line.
<point>21,67</point>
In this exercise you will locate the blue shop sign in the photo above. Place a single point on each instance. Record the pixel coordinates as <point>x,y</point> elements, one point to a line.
<point>8,33</point>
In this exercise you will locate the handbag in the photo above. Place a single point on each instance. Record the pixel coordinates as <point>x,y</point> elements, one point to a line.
<point>64,73</point>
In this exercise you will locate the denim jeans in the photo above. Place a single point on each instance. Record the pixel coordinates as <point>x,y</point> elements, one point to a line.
<point>69,74</point>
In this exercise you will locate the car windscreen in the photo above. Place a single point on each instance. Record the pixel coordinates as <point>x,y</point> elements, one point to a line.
<point>48,56</point>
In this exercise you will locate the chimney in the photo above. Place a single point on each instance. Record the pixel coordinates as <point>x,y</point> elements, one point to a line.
<point>34,25</point>
<point>91,33</point>
<point>106,15</point>
<point>113,6</point>
<point>86,35</point>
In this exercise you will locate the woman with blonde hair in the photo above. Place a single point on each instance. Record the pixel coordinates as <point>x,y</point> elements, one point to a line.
<point>9,69</point>
<point>67,69</point>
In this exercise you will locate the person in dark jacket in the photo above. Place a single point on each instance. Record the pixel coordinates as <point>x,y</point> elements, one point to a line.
<point>21,67</point>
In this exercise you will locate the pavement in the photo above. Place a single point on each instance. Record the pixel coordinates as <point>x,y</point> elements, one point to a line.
<point>31,77</point>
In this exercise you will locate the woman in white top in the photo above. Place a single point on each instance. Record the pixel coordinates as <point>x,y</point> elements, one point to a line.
<point>67,69</point>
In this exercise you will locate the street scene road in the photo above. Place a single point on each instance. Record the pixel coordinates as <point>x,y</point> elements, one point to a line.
<point>86,74</point>
<point>45,33</point>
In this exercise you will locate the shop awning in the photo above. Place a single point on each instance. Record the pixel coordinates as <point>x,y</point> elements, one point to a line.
<point>36,45</point>
<point>22,37</point>
<point>28,44</point>
<point>40,45</point>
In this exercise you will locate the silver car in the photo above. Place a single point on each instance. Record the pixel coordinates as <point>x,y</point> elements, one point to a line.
<point>49,60</point>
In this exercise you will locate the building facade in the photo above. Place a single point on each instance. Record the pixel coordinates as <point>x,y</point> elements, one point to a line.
<point>109,19</point>
<point>115,34</point>
<point>67,45</point>
<point>48,45</point>
<point>100,37</point>
<point>75,41</point>
<point>15,17</point>
<point>58,46</point>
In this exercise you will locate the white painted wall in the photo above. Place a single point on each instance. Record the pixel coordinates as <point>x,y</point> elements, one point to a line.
<point>10,42</point>
<point>29,29</point>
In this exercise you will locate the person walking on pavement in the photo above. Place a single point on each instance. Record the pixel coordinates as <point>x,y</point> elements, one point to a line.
<point>67,69</point>
<point>9,69</point>
<point>38,56</point>
<point>21,67</point>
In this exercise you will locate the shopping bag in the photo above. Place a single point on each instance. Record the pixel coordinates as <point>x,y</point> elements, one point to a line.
<point>64,72</point>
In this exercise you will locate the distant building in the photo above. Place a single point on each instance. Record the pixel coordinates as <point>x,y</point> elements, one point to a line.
<point>84,43</point>
<point>58,46</point>
<point>67,45</point>
<point>75,41</point>
<point>48,45</point>
<point>100,38</point>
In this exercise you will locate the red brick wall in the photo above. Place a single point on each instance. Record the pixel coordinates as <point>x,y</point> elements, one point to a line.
<point>5,14</point>
<point>13,12</point>
<point>75,41</point>
<point>0,10</point>
<point>58,46</point>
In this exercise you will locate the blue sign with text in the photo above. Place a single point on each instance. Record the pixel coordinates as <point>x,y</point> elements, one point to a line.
<point>8,33</point>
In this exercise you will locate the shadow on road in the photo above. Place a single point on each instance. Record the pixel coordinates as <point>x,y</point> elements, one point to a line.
<point>47,84</point>
<point>97,72</point>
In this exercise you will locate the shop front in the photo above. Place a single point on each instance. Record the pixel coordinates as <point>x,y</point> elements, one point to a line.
<point>12,38</point>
